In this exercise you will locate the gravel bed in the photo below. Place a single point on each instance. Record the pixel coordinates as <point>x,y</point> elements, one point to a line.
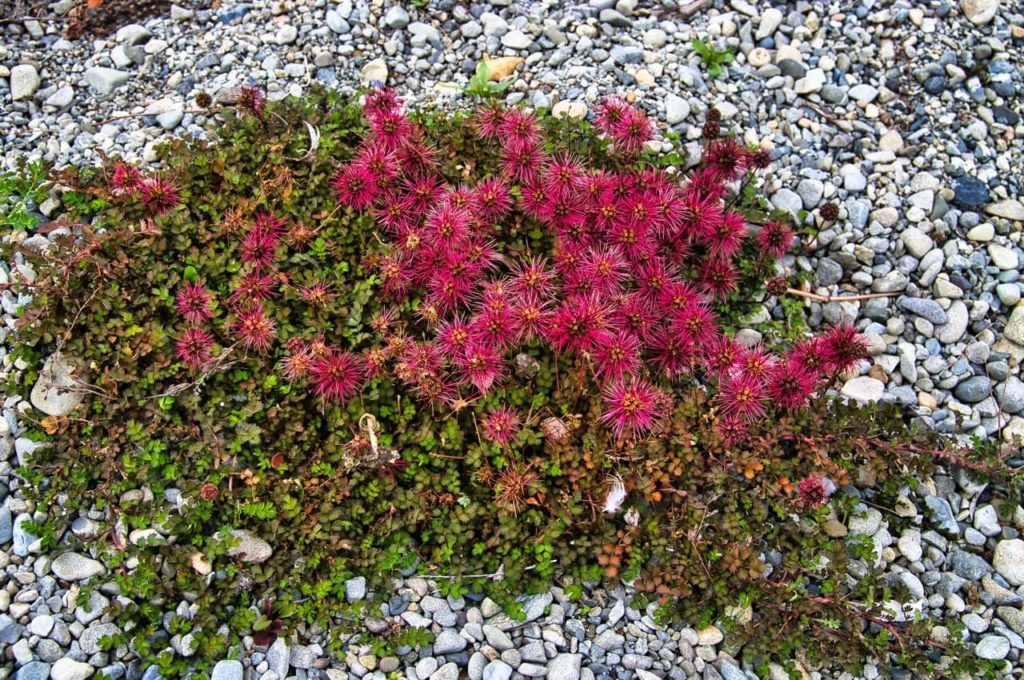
<point>906,114</point>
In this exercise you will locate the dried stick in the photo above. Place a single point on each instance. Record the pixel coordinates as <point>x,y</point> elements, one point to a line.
<point>831,298</point>
<point>686,11</point>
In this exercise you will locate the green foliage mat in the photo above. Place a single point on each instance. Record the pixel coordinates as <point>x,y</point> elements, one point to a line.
<point>716,536</point>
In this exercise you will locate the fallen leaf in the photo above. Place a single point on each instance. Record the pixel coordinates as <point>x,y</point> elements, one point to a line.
<point>501,67</point>
<point>50,424</point>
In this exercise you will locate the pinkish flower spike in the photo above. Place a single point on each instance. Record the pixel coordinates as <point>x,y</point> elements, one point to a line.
<point>193,347</point>
<point>632,407</point>
<point>501,425</point>
<point>193,303</point>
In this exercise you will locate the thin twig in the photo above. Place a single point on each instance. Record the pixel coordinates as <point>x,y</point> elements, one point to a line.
<point>126,116</point>
<point>844,298</point>
<point>844,125</point>
<point>687,11</point>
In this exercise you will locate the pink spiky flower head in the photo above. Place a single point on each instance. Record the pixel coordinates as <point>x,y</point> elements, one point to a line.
<point>252,100</point>
<point>355,186</point>
<point>127,179</point>
<point>636,313</point>
<point>604,269</point>
<point>533,275</point>
<point>725,238</point>
<point>336,376</point>
<point>700,214</point>
<point>610,112</point>
<point>742,395</point>
<point>255,329</point>
<point>757,361</point>
<point>318,293</point>
<point>718,277</point>
<point>491,200</point>
<point>519,128</point>
<point>495,327</point>
<point>813,492</point>
<point>488,120</point>
<point>501,425</point>
<point>843,348</point>
<point>381,100</point>
<point>696,324</point>
<point>725,158</point>
<point>775,239</point>
<point>298,363</point>
<point>391,129</point>
<point>482,366</point>
<point>790,384</point>
<point>732,429</point>
<point>617,355</point>
<point>720,355</point>
<point>670,351</point>
<point>193,347</point>
<point>258,248</point>
<point>454,335</point>
<point>531,317</point>
<point>633,407</point>
<point>564,175</point>
<point>521,161</point>
<point>193,303</point>
<point>579,324</point>
<point>253,287</point>
<point>631,133</point>
<point>380,163</point>
<point>810,354</point>
<point>159,194</point>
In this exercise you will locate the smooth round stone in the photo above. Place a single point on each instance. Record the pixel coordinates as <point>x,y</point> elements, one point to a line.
<point>1008,293</point>
<point>758,57</point>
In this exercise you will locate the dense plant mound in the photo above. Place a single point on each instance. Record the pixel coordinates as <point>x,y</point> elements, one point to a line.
<point>495,347</point>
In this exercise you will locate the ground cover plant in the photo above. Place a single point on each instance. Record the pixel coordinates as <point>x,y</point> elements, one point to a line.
<point>493,346</point>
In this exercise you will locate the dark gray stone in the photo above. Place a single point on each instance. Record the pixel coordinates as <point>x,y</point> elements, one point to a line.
<point>968,565</point>
<point>969,192</point>
<point>925,308</point>
<point>973,390</point>
<point>942,514</point>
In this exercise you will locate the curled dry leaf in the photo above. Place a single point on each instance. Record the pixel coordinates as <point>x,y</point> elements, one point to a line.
<point>500,68</point>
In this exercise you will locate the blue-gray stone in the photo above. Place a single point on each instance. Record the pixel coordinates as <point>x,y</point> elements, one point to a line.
<point>792,68</point>
<point>326,76</point>
<point>969,192</point>
<point>21,536</point>
<point>10,630</point>
<point>627,54</point>
<point>227,670</point>
<point>449,642</point>
<point>829,272</point>
<point>1005,115</point>
<point>942,514</point>
<point>355,589</point>
<point>968,565</point>
<point>729,671</point>
<point>6,524</point>
<point>208,60</point>
<point>1010,395</point>
<point>973,390</point>
<point>935,85</point>
<point>857,213</point>
<point>229,14</point>
<point>34,670</point>
<point>398,604</point>
<point>925,308</point>
<point>113,672</point>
